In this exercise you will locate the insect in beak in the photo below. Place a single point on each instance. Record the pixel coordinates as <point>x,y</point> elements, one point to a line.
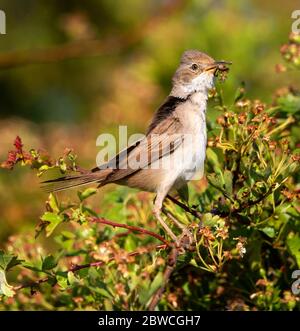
<point>218,66</point>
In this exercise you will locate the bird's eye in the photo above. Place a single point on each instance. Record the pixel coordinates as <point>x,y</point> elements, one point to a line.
<point>194,66</point>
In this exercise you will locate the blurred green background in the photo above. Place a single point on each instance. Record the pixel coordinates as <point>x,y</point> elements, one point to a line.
<point>74,69</point>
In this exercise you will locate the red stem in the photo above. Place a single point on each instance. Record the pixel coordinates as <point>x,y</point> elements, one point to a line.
<point>130,227</point>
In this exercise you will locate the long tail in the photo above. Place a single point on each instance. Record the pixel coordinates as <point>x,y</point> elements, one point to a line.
<point>64,183</point>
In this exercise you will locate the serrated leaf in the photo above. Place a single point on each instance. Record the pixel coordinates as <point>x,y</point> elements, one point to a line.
<point>49,263</point>
<point>7,261</point>
<point>53,219</point>
<point>5,288</point>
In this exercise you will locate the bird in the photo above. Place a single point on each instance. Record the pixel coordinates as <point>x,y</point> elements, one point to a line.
<point>173,150</point>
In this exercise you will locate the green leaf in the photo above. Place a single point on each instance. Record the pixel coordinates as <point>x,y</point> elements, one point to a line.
<point>49,263</point>
<point>31,267</point>
<point>147,291</point>
<point>43,169</point>
<point>215,181</point>
<point>7,261</point>
<point>102,292</point>
<point>72,278</point>
<point>289,103</point>
<point>228,181</point>
<point>255,258</point>
<point>86,193</point>
<point>5,288</point>
<point>210,220</point>
<point>213,159</point>
<point>293,243</point>
<point>269,231</point>
<point>157,283</point>
<point>62,281</point>
<point>53,203</point>
<point>53,219</point>
<point>62,165</point>
<point>68,234</point>
<point>130,244</point>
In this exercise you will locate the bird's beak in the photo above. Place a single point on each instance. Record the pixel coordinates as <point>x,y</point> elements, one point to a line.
<point>218,65</point>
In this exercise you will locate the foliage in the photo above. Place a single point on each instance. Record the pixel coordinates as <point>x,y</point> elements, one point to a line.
<point>244,219</point>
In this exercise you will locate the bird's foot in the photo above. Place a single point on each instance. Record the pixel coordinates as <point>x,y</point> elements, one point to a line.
<point>165,226</point>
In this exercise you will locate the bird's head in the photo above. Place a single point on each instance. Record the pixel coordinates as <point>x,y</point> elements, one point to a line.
<point>196,73</point>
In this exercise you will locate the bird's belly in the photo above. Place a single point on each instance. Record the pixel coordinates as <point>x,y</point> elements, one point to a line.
<point>194,157</point>
<point>173,171</point>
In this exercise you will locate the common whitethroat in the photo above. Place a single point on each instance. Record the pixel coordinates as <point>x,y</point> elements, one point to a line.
<point>174,147</point>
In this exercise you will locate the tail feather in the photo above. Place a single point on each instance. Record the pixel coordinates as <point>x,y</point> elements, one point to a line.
<point>63,183</point>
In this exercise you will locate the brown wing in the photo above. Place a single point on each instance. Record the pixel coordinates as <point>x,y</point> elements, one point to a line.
<point>164,139</point>
<point>159,141</point>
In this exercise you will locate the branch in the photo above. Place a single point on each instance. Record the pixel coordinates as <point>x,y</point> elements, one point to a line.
<point>185,207</point>
<point>31,284</point>
<point>172,260</point>
<point>95,47</point>
<point>131,228</point>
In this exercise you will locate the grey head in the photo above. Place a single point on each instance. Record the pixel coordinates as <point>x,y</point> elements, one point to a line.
<point>195,73</point>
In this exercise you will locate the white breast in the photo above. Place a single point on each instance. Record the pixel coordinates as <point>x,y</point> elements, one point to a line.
<point>195,150</point>
<point>191,156</point>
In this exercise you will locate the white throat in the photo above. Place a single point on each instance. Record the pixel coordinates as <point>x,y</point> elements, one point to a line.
<point>198,87</point>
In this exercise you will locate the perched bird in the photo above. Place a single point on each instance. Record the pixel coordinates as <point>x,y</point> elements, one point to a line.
<point>174,147</point>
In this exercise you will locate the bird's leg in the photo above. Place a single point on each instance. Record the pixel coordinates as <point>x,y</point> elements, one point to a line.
<point>185,230</point>
<point>175,221</point>
<point>157,213</point>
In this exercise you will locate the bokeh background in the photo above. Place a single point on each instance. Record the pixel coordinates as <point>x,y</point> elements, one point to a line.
<point>74,69</point>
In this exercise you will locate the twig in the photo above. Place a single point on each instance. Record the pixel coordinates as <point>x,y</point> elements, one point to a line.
<point>172,260</point>
<point>31,284</point>
<point>120,235</point>
<point>131,228</point>
<point>184,207</point>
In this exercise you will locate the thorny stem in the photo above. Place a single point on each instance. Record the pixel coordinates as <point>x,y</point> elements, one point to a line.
<point>131,228</point>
